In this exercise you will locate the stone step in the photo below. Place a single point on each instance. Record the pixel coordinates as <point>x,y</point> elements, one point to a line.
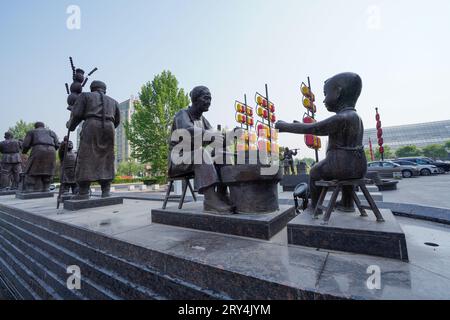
<point>372,188</point>
<point>52,280</point>
<point>37,288</point>
<point>17,287</point>
<point>52,263</point>
<point>377,196</point>
<point>132,272</point>
<point>115,286</point>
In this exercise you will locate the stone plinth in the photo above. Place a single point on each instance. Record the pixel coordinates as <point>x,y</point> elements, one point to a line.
<point>7,193</point>
<point>351,233</point>
<point>33,195</point>
<point>260,226</point>
<point>75,205</point>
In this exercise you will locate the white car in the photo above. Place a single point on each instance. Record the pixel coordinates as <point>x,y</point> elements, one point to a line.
<point>425,169</point>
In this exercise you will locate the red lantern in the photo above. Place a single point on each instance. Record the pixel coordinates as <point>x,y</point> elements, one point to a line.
<point>381,149</point>
<point>379,133</point>
<point>273,119</point>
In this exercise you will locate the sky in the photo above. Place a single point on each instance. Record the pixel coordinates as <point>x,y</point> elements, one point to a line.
<point>399,48</point>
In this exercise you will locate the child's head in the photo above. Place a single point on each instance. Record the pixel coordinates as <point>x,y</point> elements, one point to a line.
<point>342,91</point>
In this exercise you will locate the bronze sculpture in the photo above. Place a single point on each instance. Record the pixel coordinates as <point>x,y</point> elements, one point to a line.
<point>288,160</point>
<point>68,182</point>
<point>345,154</point>
<point>11,163</point>
<point>207,174</point>
<point>41,164</point>
<point>101,116</point>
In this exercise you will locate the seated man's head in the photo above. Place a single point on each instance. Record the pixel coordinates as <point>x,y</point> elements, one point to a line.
<point>8,135</point>
<point>39,124</point>
<point>342,91</point>
<point>201,98</point>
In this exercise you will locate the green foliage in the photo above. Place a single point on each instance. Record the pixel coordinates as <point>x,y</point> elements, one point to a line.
<point>150,126</point>
<point>408,151</point>
<point>131,168</point>
<point>120,180</point>
<point>447,145</point>
<point>388,153</point>
<point>435,151</point>
<point>367,152</point>
<point>20,129</point>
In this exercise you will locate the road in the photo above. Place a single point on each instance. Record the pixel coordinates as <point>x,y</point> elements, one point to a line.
<point>433,191</point>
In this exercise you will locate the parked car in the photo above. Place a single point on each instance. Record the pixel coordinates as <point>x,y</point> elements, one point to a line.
<point>388,169</point>
<point>442,166</point>
<point>424,169</point>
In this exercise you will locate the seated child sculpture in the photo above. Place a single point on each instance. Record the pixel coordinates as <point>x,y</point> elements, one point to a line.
<point>345,158</point>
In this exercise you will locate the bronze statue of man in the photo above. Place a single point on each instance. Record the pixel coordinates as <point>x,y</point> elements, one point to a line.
<point>101,117</point>
<point>288,160</point>
<point>207,174</point>
<point>68,181</point>
<point>345,157</point>
<point>41,164</point>
<point>11,164</point>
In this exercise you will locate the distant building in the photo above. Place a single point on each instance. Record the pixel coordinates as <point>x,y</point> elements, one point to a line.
<point>123,148</point>
<point>420,135</point>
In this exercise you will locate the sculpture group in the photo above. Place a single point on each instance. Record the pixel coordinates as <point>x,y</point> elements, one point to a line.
<point>99,116</point>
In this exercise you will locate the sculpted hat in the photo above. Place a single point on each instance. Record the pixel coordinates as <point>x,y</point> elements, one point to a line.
<point>98,85</point>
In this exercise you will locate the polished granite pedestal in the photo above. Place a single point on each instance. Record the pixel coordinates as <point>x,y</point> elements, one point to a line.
<point>7,192</point>
<point>75,205</point>
<point>261,226</point>
<point>349,232</point>
<point>33,195</point>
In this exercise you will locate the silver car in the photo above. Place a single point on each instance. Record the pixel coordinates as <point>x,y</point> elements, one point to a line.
<point>389,169</point>
<point>424,169</point>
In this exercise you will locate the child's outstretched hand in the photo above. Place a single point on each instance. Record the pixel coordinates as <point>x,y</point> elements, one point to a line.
<point>280,125</point>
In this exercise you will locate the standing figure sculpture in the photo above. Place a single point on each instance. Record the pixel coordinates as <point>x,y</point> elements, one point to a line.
<point>101,117</point>
<point>11,164</point>
<point>207,174</point>
<point>345,157</point>
<point>288,161</point>
<point>41,164</point>
<point>68,181</point>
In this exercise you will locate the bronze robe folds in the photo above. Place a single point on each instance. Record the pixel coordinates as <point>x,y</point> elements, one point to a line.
<point>206,175</point>
<point>101,116</point>
<point>43,144</point>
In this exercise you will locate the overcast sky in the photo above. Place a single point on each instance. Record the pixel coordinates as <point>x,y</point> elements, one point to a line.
<point>401,49</point>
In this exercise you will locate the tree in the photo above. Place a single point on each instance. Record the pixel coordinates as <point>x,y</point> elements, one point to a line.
<point>150,126</point>
<point>447,145</point>
<point>388,153</point>
<point>435,151</point>
<point>20,129</point>
<point>408,151</point>
<point>130,168</point>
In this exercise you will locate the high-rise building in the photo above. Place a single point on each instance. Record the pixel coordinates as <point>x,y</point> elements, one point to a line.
<point>123,147</point>
<point>420,135</point>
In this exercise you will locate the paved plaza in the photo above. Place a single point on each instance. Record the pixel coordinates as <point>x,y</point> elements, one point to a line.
<point>432,191</point>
